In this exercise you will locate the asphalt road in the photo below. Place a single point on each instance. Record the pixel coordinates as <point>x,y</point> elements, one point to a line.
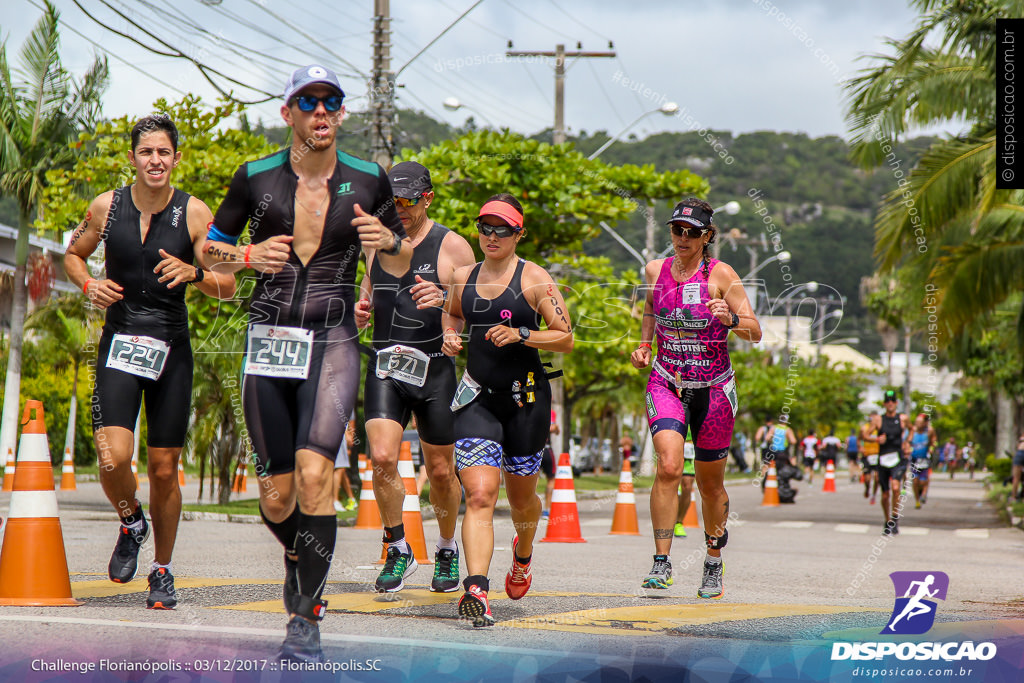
<point>797,578</point>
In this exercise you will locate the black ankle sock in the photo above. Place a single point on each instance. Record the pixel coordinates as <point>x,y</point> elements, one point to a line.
<point>477,580</point>
<point>285,530</point>
<point>524,560</point>
<point>314,545</point>
<point>136,516</point>
<point>394,533</point>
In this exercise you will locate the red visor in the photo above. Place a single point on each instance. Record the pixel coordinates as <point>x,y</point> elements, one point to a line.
<point>506,212</point>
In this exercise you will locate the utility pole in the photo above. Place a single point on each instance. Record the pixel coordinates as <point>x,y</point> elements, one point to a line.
<point>559,440</point>
<point>558,135</point>
<point>382,86</point>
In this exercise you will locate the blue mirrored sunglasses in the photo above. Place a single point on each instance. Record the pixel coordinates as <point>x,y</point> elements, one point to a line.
<point>308,103</point>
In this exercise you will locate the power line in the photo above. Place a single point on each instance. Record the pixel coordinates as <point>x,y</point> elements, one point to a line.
<point>543,26</point>
<point>203,68</point>
<point>573,18</point>
<point>604,91</point>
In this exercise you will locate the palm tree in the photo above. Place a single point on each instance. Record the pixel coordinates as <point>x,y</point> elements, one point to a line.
<point>42,108</point>
<point>68,325</point>
<point>973,233</point>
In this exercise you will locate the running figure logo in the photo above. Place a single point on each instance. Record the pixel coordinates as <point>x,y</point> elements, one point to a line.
<point>913,613</point>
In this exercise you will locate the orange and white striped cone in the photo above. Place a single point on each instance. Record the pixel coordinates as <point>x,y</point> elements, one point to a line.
<point>624,521</point>
<point>67,472</point>
<point>690,520</point>
<point>830,478</point>
<point>412,518</point>
<point>771,488</point>
<point>368,515</point>
<point>33,564</point>
<point>135,468</point>
<point>239,485</point>
<point>181,473</point>
<point>9,471</point>
<point>564,519</point>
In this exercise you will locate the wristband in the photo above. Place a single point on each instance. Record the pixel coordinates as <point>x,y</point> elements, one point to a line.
<point>643,344</point>
<point>246,252</point>
<point>85,287</point>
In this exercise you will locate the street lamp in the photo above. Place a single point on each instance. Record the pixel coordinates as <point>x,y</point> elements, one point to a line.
<point>453,104</point>
<point>787,300</point>
<point>752,290</point>
<point>821,327</point>
<point>668,109</point>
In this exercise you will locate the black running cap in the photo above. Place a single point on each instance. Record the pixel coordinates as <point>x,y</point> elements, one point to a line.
<point>890,395</point>
<point>694,215</point>
<point>409,179</point>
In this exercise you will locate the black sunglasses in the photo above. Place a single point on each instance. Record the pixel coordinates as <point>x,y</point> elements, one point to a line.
<point>691,233</point>
<point>308,103</point>
<point>499,230</point>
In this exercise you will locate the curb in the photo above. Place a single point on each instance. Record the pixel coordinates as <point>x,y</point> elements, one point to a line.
<point>195,516</point>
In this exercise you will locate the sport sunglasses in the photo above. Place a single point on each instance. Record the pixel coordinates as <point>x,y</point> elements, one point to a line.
<point>403,201</point>
<point>499,230</point>
<point>308,103</point>
<point>691,233</point>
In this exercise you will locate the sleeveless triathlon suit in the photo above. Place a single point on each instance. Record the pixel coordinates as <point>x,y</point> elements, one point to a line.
<point>691,382</point>
<point>397,321</point>
<point>891,463</point>
<point>919,457</point>
<point>301,374</point>
<point>507,424</point>
<point>148,310</point>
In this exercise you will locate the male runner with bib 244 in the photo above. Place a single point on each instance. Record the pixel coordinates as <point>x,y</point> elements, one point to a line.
<point>308,208</point>
<point>151,231</point>
<point>410,375</point>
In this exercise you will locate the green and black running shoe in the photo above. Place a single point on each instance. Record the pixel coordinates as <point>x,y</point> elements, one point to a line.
<point>397,566</point>
<point>446,571</point>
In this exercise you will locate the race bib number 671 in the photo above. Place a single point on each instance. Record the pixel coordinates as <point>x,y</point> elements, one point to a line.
<point>278,351</point>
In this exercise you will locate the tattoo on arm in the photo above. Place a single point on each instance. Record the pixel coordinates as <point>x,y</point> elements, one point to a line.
<point>219,253</point>
<point>663,533</point>
<point>79,231</point>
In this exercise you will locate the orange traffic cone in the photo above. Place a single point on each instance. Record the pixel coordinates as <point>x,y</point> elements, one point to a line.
<point>181,473</point>
<point>830,478</point>
<point>135,468</point>
<point>9,471</point>
<point>624,520</point>
<point>690,520</point>
<point>412,519</point>
<point>33,564</point>
<point>771,488</point>
<point>564,522</point>
<point>67,472</point>
<point>368,516</point>
<point>239,485</point>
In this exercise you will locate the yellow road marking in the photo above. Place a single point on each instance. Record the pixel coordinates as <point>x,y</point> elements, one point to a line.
<point>106,588</point>
<point>653,619</point>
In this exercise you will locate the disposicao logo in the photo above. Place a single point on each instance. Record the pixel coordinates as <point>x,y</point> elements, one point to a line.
<point>913,614</point>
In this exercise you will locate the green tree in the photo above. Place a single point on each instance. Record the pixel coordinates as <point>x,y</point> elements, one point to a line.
<point>69,327</point>
<point>211,153</point>
<point>42,107</point>
<point>948,215</point>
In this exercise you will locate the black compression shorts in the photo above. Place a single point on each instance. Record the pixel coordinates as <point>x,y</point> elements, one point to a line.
<point>886,475</point>
<point>392,399</point>
<point>521,432</point>
<point>547,463</point>
<point>286,415</point>
<point>118,395</point>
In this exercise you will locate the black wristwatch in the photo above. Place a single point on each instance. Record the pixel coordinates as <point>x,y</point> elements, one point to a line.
<point>395,249</point>
<point>200,275</point>
<point>735,321</point>
<point>524,334</point>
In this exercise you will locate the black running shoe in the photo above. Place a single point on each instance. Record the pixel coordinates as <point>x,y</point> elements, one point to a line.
<point>291,584</point>
<point>302,642</point>
<point>161,590</point>
<point>446,571</point>
<point>124,563</point>
<point>397,566</point>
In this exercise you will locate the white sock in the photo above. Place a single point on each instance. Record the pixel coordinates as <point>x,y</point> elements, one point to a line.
<point>446,543</point>
<point>156,565</point>
<point>713,560</point>
<point>402,545</point>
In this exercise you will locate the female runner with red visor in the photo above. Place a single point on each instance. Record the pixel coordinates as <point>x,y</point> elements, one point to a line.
<point>503,403</point>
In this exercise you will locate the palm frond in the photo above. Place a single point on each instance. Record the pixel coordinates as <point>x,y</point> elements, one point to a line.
<point>943,186</point>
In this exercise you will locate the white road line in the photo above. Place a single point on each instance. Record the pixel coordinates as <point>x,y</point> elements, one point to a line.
<point>852,528</point>
<point>971,533</point>
<point>913,531</point>
<point>273,634</point>
<point>793,525</point>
